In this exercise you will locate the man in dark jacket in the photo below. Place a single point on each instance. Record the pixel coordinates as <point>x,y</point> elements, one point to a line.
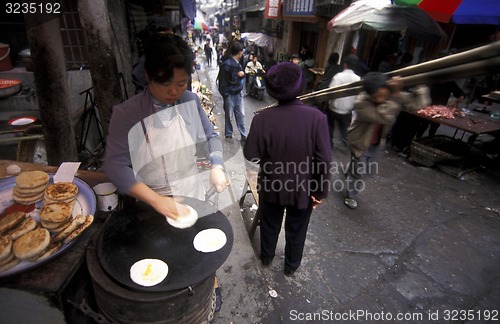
<point>291,143</point>
<point>231,83</point>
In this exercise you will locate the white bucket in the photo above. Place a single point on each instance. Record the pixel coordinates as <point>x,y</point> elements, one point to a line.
<point>107,197</point>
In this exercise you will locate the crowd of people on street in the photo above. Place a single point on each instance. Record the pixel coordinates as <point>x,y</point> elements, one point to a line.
<point>167,117</point>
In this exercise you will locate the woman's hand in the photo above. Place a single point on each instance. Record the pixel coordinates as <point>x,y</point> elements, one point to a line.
<point>316,202</point>
<point>167,206</point>
<point>218,179</point>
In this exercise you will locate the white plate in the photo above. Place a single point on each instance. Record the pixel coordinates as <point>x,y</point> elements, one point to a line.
<point>148,272</point>
<point>186,221</point>
<point>85,204</point>
<point>21,121</point>
<point>209,240</point>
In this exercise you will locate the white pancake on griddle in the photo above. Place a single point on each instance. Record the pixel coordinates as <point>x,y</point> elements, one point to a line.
<point>184,221</point>
<point>209,240</point>
<point>148,272</point>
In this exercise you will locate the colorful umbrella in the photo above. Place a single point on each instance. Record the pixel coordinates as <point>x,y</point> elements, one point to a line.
<point>440,10</point>
<point>200,25</point>
<point>459,11</point>
<point>383,16</point>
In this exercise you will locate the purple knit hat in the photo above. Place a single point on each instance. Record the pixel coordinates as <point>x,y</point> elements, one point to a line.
<point>285,81</point>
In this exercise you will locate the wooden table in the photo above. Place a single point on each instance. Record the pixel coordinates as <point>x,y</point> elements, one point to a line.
<point>49,289</point>
<point>474,123</point>
<point>317,71</point>
<point>318,74</point>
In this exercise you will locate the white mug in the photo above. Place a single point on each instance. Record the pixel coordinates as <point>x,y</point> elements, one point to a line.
<point>107,196</point>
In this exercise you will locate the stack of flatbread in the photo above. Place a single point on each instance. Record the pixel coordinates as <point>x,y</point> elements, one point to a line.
<point>56,216</point>
<point>61,192</point>
<point>30,187</point>
<point>7,257</point>
<point>33,245</point>
<point>22,238</point>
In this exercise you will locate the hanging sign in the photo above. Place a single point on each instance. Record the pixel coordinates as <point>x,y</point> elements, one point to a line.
<point>299,7</point>
<point>272,10</point>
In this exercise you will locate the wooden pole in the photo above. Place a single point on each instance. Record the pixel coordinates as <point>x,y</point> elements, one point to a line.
<point>51,87</point>
<point>471,56</point>
<point>487,66</point>
<point>94,17</point>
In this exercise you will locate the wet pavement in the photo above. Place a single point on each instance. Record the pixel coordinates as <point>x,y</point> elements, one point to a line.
<point>423,246</point>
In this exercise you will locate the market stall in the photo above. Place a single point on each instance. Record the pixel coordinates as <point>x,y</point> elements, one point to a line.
<point>130,264</point>
<point>441,148</point>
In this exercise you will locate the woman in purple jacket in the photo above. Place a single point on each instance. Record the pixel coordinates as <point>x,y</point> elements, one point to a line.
<point>291,144</point>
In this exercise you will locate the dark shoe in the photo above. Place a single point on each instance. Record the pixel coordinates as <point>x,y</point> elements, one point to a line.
<point>243,138</point>
<point>229,136</point>
<point>289,272</point>
<point>218,299</point>
<point>351,203</point>
<point>266,262</point>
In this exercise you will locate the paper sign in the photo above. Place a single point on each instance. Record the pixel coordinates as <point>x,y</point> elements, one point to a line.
<point>66,172</point>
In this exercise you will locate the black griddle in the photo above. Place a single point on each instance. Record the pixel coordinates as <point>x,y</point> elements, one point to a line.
<point>140,233</point>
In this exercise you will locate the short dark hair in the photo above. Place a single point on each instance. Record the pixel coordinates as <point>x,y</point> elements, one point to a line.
<point>333,58</point>
<point>236,47</point>
<point>352,61</point>
<point>163,53</point>
<point>373,81</point>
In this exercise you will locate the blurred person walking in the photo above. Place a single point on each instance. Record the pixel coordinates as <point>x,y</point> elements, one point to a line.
<point>208,52</point>
<point>375,111</point>
<point>340,110</point>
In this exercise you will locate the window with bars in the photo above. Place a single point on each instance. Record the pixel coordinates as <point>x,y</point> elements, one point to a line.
<point>73,36</point>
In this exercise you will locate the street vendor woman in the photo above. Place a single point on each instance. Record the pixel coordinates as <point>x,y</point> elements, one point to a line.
<point>156,136</point>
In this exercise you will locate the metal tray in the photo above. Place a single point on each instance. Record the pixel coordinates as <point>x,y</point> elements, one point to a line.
<point>85,204</point>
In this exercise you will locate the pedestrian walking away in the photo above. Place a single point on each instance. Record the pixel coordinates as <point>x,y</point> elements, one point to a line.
<point>231,80</point>
<point>291,134</point>
<point>340,110</point>
<point>375,111</point>
<point>208,52</point>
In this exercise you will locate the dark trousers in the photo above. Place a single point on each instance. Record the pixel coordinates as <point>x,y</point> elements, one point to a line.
<point>404,130</point>
<point>342,120</point>
<point>296,223</point>
<point>359,167</point>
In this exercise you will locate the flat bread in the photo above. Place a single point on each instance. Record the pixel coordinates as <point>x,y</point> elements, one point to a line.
<point>184,221</point>
<point>209,240</point>
<point>9,264</point>
<point>55,227</point>
<point>27,225</point>
<point>51,249</point>
<point>47,200</point>
<point>88,221</point>
<point>148,272</point>
<point>32,179</point>
<point>11,221</point>
<point>58,213</point>
<point>28,200</point>
<point>73,225</point>
<point>9,258</point>
<point>31,244</point>
<point>28,192</point>
<point>61,191</point>
<point>5,247</point>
